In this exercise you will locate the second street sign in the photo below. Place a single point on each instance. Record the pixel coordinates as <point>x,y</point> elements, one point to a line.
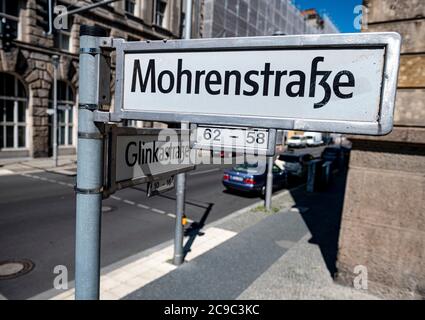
<point>342,83</point>
<point>138,156</point>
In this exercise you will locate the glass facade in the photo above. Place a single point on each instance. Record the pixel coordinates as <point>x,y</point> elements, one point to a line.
<point>240,18</point>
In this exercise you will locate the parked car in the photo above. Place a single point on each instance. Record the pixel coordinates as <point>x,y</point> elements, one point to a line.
<point>294,164</point>
<point>252,177</point>
<point>313,139</point>
<point>297,141</point>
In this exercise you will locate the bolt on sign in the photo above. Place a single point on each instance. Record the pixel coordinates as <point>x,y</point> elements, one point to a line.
<point>137,156</point>
<point>338,83</point>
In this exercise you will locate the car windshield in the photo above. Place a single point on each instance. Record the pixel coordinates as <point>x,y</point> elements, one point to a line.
<point>250,167</point>
<point>295,138</point>
<point>309,137</point>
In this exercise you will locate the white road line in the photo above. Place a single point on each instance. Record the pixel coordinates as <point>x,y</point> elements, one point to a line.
<point>6,172</point>
<point>158,211</point>
<point>113,196</point>
<point>204,171</point>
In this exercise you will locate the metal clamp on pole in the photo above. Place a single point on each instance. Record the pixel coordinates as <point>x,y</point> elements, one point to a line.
<point>88,191</point>
<point>90,155</point>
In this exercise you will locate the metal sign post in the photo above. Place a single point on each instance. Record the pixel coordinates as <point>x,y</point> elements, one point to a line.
<point>269,184</point>
<point>178,256</point>
<point>89,169</point>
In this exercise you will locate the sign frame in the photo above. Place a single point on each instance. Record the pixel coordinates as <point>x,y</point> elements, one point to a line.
<point>271,144</point>
<point>390,41</point>
<point>111,185</point>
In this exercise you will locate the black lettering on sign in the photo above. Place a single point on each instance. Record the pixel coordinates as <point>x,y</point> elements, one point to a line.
<point>292,83</point>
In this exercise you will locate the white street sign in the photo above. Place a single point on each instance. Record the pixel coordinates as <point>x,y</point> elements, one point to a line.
<point>341,82</point>
<point>146,155</point>
<point>249,140</point>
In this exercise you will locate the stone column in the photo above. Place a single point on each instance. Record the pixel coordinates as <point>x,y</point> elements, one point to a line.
<point>383,222</point>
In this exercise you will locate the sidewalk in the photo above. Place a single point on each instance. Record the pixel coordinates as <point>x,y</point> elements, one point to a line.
<point>278,255</point>
<point>289,253</point>
<point>67,165</point>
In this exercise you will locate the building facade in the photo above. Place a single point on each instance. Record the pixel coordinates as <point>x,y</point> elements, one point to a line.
<point>242,18</point>
<point>383,221</point>
<point>26,67</point>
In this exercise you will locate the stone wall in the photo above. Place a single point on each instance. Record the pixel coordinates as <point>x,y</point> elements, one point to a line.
<point>30,58</point>
<point>383,222</point>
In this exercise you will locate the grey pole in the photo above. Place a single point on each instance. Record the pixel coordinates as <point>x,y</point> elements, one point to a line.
<point>89,171</point>
<point>269,178</point>
<point>178,257</point>
<point>55,60</point>
<point>269,183</point>
<point>181,177</point>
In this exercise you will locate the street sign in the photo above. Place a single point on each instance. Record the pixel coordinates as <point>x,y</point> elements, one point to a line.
<point>160,186</point>
<point>337,83</point>
<point>138,156</point>
<point>248,140</point>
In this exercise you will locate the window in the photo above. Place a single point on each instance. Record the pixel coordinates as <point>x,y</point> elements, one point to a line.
<point>9,18</point>
<point>62,37</point>
<point>13,112</point>
<point>160,8</point>
<point>130,6</point>
<point>65,100</point>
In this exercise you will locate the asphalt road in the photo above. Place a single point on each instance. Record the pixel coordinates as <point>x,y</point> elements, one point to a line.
<point>37,222</point>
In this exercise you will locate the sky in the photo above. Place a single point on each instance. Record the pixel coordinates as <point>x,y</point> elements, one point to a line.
<point>340,11</point>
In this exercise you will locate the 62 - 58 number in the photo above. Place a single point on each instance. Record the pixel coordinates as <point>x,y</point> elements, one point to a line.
<point>252,136</point>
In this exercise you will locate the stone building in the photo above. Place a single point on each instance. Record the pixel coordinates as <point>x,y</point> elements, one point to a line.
<point>26,68</point>
<point>383,222</point>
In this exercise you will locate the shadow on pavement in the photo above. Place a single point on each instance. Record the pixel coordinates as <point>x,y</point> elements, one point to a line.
<point>194,230</point>
<point>323,217</point>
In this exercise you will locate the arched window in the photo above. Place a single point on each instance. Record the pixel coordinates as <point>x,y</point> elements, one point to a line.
<point>13,112</point>
<point>65,100</point>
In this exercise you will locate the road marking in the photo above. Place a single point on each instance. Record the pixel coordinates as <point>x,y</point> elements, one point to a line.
<point>133,275</point>
<point>6,172</point>
<point>158,211</point>
<point>204,171</point>
<point>130,202</point>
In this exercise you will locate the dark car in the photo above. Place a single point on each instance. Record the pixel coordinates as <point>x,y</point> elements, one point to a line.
<point>294,164</point>
<point>252,177</point>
